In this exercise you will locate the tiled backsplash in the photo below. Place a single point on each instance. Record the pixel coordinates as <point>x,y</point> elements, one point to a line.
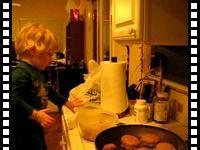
<point>180,107</point>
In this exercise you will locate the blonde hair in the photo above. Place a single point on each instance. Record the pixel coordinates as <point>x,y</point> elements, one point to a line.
<point>35,36</point>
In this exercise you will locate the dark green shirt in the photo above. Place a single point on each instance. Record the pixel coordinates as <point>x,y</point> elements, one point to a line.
<point>30,91</point>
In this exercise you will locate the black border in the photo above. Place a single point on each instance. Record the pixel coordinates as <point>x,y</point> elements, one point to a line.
<point>10,136</point>
<point>190,91</point>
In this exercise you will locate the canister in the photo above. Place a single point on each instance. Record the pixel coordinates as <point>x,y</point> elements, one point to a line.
<point>161,108</point>
<point>141,111</point>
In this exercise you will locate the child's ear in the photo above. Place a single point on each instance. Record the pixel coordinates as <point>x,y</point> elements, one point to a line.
<point>32,51</point>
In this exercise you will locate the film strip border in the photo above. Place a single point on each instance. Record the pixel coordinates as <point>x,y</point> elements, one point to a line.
<point>6,69</point>
<point>5,45</point>
<point>193,141</point>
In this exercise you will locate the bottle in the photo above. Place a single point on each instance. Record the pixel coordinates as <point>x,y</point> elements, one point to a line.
<point>161,107</point>
<point>141,111</point>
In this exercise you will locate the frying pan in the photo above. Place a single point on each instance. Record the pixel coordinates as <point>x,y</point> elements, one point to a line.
<point>113,135</point>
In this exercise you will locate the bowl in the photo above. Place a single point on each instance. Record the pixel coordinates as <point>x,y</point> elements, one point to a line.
<point>91,121</point>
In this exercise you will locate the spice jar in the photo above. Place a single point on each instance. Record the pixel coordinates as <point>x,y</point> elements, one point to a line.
<point>141,111</point>
<point>161,107</point>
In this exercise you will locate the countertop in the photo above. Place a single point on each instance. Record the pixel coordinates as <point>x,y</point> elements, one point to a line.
<point>79,143</point>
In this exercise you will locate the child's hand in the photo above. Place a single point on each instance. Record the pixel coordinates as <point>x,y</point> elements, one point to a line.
<point>74,103</point>
<point>43,118</point>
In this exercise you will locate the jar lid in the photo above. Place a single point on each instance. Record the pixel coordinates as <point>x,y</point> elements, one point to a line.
<point>141,101</point>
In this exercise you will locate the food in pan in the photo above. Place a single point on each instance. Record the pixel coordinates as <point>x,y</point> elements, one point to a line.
<point>129,142</point>
<point>109,146</point>
<point>144,148</point>
<point>149,140</point>
<point>165,146</point>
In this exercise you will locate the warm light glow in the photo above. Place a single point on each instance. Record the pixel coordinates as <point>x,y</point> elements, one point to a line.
<point>123,11</point>
<point>16,4</point>
<point>74,14</point>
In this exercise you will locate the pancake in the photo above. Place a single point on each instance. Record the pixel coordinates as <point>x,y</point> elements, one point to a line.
<point>165,146</point>
<point>144,148</point>
<point>109,146</point>
<point>149,140</point>
<point>129,142</point>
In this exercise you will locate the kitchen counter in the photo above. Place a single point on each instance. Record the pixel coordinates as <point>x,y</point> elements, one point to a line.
<point>76,142</point>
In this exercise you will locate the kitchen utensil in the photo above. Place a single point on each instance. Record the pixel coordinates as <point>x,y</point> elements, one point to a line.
<point>113,135</point>
<point>92,120</point>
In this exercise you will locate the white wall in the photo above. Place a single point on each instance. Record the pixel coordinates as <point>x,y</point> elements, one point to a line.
<point>55,25</point>
<point>48,12</point>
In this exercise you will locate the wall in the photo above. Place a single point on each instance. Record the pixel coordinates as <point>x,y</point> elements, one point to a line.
<point>55,25</point>
<point>48,12</point>
<point>120,50</point>
<point>55,15</point>
<point>167,22</point>
<point>40,9</point>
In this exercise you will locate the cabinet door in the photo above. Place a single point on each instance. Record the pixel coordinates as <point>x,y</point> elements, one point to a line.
<point>166,22</point>
<point>126,19</point>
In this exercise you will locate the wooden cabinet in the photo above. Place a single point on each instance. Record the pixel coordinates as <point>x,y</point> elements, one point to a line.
<point>152,21</point>
<point>126,16</point>
<point>166,22</point>
<point>75,42</point>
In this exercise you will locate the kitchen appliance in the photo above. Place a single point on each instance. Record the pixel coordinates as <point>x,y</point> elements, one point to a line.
<point>113,135</point>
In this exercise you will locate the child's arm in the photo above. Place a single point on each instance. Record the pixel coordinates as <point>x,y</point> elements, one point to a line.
<point>55,97</point>
<point>61,100</point>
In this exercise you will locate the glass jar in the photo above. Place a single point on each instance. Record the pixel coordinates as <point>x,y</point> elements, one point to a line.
<point>141,111</point>
<point>161,107</point>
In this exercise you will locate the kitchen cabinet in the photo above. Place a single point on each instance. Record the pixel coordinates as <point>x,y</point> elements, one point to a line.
<point>166,22</point>
<point>126,17</point>
<point>75,42</point>
<point>154,22</point>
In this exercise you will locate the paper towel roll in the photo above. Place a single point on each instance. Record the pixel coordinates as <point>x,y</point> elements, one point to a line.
<point>113,86</point>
